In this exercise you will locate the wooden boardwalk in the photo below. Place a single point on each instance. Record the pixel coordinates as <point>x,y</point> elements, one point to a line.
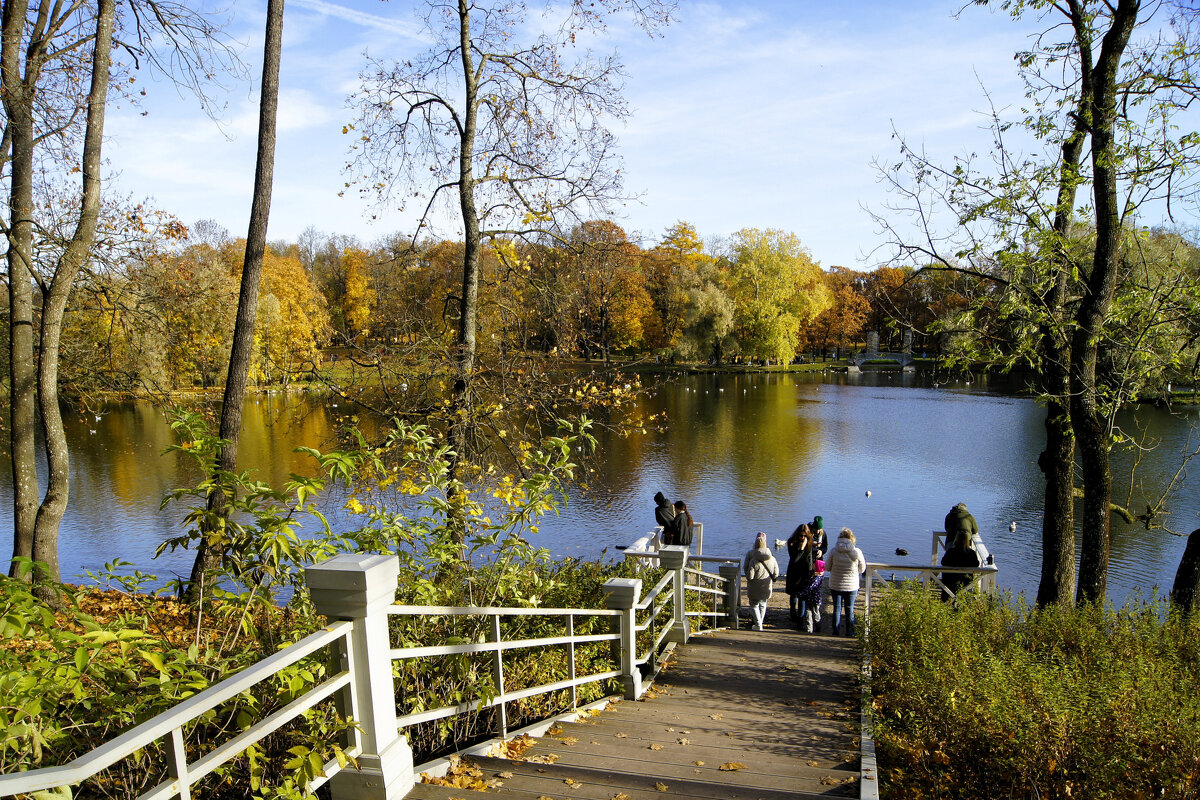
<point>737,715</point>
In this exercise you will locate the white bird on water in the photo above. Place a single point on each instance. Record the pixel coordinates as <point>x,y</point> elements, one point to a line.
<point>1012,526</point>
<point>868,492</point>
<point>779,543</point>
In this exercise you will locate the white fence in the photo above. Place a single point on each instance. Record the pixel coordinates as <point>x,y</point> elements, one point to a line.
<point>357,591</point>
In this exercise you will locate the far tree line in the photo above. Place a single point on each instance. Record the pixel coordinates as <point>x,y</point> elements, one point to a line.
<point>162,317</point>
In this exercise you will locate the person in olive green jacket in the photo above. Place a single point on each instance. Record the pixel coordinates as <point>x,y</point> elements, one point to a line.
<point>959,520</point>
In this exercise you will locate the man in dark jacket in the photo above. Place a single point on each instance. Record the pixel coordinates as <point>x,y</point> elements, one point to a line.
<point>959,520</point>
<point>959,554</point>
<point>664,515</point>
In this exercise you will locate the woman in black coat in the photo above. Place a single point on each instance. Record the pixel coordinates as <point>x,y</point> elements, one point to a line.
<point>801,555</point>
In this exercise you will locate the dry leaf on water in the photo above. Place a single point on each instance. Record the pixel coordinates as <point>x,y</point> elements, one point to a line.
<point>732,766</point>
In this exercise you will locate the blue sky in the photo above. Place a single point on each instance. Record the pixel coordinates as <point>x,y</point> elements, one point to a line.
<point>744,114</point>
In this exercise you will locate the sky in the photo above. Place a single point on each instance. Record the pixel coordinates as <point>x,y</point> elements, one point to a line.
<point>763,114</point>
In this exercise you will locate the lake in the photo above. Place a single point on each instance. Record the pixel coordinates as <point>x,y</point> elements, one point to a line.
<point>747,452</point>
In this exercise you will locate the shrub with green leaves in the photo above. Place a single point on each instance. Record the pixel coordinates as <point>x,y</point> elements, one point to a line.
<point>991,698</point>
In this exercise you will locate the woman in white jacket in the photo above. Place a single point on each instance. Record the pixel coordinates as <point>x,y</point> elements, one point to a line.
<point>761,570</point>
<point>845,563</point>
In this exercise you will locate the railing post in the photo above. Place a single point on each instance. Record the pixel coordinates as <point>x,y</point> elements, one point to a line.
<point>732,575</point>
<point>622,594</point>
<point>360,588</point>
<point>674,558</point>
<point>698,535</point>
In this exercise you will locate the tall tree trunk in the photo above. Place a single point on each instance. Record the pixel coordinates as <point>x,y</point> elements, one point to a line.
<point>54,305</point>
<point>1091,428</point>
<point>468,309</point>
<point>1187,577</point>
<point>242,352</point>
<point>17,91</point>
<point>1057,461</point>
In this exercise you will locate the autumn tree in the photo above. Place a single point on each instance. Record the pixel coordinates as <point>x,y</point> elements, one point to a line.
<point>669,268</point>
<point>56,70</point>
<point>1101,108</point>
<point>501,125</point>
<point>844,320</point>
<point>608,293</point>
<point>776,285</point>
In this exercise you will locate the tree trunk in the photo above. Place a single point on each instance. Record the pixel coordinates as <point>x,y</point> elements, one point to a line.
<point>242,352</point>
<point>1057,461</point>
<point>1090,423</point>
<point>54,304</point>
<point>18,108</point>
<point>468,308</point>
<point>1187,577</point>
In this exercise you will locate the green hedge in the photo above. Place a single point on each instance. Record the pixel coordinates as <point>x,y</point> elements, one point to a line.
<point>996,699</point>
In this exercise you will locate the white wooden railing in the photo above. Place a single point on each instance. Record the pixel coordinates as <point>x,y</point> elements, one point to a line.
<point>356,592</point>
<point>884,577</point>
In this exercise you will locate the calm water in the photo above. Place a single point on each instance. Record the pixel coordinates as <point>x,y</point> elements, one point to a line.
<point>747,453</point>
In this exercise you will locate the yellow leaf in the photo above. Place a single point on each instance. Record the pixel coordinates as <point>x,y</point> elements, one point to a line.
<point>574,784</point>
<point>732,766</point>
<point>656,747</point>
<point>698,763</point>
<point>662,787</point>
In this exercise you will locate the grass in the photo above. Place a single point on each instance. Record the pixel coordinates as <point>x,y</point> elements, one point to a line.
<point>996,699</point>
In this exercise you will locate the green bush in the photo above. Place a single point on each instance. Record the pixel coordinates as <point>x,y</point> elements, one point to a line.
<point>992,698</point>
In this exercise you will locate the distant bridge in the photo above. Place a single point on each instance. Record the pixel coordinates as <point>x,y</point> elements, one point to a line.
<point>901,359</point>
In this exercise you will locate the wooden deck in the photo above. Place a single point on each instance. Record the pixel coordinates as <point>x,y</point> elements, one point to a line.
<point>737,715</point>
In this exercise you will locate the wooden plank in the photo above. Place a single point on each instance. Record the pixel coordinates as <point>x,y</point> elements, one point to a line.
<point>559,781</point>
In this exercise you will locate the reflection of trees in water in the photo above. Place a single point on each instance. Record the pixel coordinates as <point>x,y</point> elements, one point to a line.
<point>1144,469</point>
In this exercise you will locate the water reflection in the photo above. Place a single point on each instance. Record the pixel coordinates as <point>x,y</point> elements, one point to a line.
<point>747,452</point>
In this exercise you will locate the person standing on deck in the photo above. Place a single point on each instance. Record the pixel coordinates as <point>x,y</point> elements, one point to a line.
<point>959,520</point>
<point>682,524</point>
<point>799,573</point>
<point>761,570</point>
<point>959,555</point>
<point>845,564</point>
<point>664,515</point>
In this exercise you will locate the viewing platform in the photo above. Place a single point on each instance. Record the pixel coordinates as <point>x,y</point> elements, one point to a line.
<point>695,704</point>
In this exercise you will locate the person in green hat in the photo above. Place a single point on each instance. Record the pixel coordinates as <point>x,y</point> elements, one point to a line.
<point>820,542</point>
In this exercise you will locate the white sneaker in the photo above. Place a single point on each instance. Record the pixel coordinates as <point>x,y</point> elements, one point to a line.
<point>758,627</point>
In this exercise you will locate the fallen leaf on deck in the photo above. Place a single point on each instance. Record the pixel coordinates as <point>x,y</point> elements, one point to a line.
<point>574,784</point>
<point>662,787</point>
<point>569,741</point>
<point>620,735</point>
<point>656,747</point>
<point>505,775</point>
<point>716,716</point>
<point>698,763</point>
<point>814,763</point>
<point>684,741</point>
<point>732,766</point>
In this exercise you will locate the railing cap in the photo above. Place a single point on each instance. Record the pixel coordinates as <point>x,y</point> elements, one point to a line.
<point>349,584</point>
<point>622,593</point>
<point>673,556</point>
